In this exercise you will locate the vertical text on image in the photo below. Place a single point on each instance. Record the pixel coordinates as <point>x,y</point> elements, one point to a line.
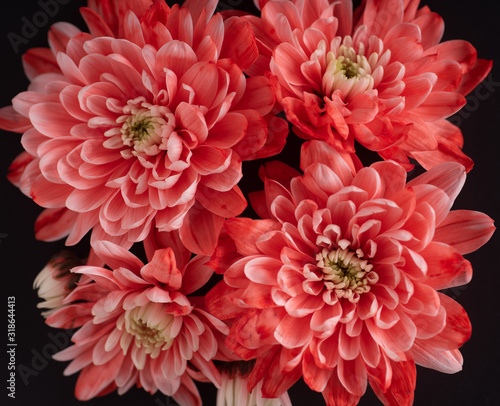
<point>11,346</point>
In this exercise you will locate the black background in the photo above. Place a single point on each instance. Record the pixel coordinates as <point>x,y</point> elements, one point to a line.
<point>22,257</point>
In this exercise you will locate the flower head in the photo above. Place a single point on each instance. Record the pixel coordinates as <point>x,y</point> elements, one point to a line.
<point>145,127</point>
<point>338,282</point>
<point>55,281</point>
<point>377,75</point>
<point>138,324</point>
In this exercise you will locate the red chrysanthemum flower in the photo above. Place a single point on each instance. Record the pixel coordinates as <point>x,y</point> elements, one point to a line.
<point>378,75</point>
<point>145,130</point>
<point>339,281</point>
<point>139,324</point>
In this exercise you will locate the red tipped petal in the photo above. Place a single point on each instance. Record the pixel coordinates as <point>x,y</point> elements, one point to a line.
<point>240,44</point>
<point>163,268</point>
<point>446,267</point>
<point>458,327</point>
<point>200,230</point>
<point>11,120</point>
<point>401,391</point>
<point>335,394</point>
<point>245,233</point>
<point>223,204</point>
<point>275,381</point>
<point>53,224</point>
<point>476,75</point>
<point>316,378</point>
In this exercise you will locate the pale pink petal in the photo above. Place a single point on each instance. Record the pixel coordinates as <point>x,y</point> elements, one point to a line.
<point>464,230</point>
<point>449,362</point>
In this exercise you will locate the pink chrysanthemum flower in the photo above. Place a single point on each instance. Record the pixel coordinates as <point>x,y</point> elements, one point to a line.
<point>144,130</point>
<point>55,281</point>
<point>137,324</point>
<point>378,75</point>
<point>339,281</point>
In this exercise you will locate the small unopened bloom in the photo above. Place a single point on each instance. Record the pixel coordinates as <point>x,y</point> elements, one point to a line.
<point>55,281</point>
<point>234,388</point>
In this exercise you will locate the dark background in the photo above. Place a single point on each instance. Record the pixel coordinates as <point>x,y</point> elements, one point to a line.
<point>23,257</point>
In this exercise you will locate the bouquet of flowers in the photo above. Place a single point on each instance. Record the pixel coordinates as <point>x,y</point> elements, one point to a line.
<point>148,132</point>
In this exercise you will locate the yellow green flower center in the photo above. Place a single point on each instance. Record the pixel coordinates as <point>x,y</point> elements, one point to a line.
<point>145,128</point>
<point>349,68</point>
<point>150,327</point>
<point>346,273</point>
<point>138,130</point>
<point>348,71</point>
